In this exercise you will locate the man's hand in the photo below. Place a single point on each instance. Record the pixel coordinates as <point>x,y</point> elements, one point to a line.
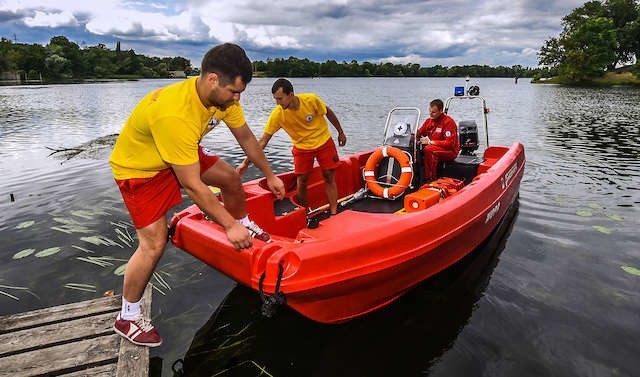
<point>242,168</point>
<point>239,236</point>
<point>276,186</point>
<point>425,140</point>
<point>342,139</point>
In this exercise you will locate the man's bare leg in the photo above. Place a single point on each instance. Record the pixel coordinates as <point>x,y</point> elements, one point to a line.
<point>152,240</point>
<point>331,190</point>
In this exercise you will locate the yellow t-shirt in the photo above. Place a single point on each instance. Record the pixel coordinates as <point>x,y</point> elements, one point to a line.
<point>306,126</point>
<point>165,128</point>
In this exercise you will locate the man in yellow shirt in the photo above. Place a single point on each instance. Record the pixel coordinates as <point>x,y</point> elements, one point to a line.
<point>302,118</point>
<point>158,152</point>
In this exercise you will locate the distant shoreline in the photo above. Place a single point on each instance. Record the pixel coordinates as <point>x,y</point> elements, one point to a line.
<point>259,75</point>
<point>609,79</point>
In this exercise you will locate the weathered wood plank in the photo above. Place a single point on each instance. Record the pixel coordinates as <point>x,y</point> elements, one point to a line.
<point>108,370</point>
<point>59,313</point>
<point>133,360</point>
<point>58,332</point>
<point>62,357</point>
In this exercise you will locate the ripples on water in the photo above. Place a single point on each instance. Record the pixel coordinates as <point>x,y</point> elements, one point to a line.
<point>554,302</point>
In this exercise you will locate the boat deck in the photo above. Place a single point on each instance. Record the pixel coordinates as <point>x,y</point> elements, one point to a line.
<point>377,205</point>
<point>71,340</point>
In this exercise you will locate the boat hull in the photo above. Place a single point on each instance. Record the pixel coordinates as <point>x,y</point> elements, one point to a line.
<point>356,262</point>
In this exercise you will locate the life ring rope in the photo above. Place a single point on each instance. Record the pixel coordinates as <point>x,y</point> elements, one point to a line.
<point>406,172</point>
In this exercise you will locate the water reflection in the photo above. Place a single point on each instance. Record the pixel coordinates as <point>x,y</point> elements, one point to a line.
<point>405,338</point>
<point>559,280</point>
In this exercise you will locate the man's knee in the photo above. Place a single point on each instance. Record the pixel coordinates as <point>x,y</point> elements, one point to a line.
<point>232,181</point>
<point>328,176</point>
<point>302,181</point>
<point>222,175</point>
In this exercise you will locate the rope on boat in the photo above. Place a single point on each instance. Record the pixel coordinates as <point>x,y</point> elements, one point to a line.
<point>271,303</point>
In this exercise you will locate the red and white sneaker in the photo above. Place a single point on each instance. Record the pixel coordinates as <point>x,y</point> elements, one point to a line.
<point>138,331</point>
<point>256,232</point>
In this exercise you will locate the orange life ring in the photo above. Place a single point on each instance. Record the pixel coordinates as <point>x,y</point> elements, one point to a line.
<point>405,177</point>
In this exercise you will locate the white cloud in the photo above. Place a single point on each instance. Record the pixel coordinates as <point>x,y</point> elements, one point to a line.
<point>437,31</point>
<point>51,19</point>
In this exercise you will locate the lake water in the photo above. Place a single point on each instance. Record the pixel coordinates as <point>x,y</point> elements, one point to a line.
<point>555,293</point>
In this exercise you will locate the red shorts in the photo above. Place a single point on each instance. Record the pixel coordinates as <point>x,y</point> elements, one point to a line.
<point>148,199</point>
<point>327,156</point>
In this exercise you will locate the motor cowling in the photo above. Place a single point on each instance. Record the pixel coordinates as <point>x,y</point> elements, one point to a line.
<point>468,133</point>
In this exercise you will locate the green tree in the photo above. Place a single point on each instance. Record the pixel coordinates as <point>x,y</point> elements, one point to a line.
<point>56,65</point>
<point>624,14</point>
<point>590,49</point>
<point>69,51</point>
<point>590,42</point>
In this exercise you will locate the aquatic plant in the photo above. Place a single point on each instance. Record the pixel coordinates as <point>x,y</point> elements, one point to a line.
<point>25,224</point>
<point>81,287</point>
<point>23,253</point>
<point>47,252</point>
<point>631,270</point>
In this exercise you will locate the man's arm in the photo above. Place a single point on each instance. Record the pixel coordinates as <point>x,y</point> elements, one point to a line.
<point>422,133</point>
<point>449,127</point>
<point>199,192</point>
<point>249,144</point>
<point>264,140</point>
<point>342,138</point>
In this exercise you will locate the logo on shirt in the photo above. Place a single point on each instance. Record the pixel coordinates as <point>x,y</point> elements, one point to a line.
<point>213,122</point>
<point>308,118</point>
<point>207,152</point>
<point>447,134</point>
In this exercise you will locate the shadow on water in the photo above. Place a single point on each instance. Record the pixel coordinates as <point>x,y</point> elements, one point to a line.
<point>405,338</point>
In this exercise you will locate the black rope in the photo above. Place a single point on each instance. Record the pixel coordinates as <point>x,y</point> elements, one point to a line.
<point>271,303</point>
<point>178,371</point>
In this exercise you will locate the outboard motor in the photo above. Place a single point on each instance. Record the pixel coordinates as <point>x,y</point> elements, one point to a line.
<point>468,133</point>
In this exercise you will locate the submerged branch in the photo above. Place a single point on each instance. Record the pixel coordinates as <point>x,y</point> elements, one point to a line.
<point>94,149</point>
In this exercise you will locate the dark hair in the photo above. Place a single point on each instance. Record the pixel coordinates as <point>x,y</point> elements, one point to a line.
<point>284,84</point>
<point>228,61</point>
<point>438,103</point>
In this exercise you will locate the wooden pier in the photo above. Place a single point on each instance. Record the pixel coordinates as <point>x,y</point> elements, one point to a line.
<point>71,340</point>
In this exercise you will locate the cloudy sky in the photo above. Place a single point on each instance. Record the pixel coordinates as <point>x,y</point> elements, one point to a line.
<point>446,32</point>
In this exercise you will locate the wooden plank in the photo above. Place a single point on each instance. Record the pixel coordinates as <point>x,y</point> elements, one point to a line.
<point>59,313</point>
<point>62,357</point>
<point>133,360</point>
<point>40,336</point>
<point>108,370</point>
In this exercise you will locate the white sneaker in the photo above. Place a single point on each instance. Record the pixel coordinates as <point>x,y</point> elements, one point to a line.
<point>256,232</point>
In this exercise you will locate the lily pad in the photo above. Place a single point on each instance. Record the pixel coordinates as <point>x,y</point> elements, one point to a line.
<point>25,224</point>
<point>595,206</point>
<point>615,217</point>
<point>602,229</point>
<point>120,270</point>
<point>631,270</point>
<point>47,252</point>
<point>23,253</point>
<point>584,213</point>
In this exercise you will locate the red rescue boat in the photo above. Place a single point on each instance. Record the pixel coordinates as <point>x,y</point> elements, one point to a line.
<point>332,269</point>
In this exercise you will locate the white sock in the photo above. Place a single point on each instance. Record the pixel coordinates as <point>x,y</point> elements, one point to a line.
<point>245,220</point>
<point>130,310</point>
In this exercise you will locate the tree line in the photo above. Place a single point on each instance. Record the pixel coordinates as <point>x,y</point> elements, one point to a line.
<point>596,38</point>
<point>295,67</point>
<point>63,60</point>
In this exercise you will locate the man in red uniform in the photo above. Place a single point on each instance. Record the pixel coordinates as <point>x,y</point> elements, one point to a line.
<point>439,135</point>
